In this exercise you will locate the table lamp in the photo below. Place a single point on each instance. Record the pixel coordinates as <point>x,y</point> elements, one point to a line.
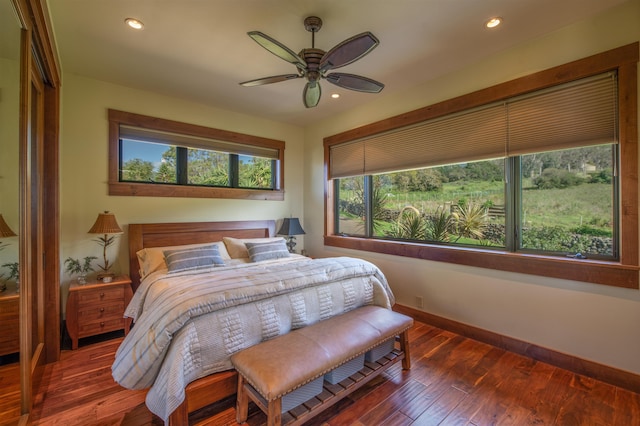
<point>291,227</point>
<point>107,225</point>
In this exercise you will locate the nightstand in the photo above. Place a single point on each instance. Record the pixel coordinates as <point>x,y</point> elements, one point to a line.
<point>10,320</point>
<point>96,307</point>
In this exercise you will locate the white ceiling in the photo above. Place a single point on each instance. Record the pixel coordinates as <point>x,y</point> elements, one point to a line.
<point>199,49</point>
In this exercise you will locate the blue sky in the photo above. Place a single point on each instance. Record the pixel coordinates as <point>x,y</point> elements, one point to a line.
<point>143,150</point>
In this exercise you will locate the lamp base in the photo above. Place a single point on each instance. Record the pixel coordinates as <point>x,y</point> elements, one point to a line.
<point>106,277</point>
<point>291,243</point>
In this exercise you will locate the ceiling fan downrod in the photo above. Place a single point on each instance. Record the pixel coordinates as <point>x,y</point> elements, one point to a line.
<point>313,25</point>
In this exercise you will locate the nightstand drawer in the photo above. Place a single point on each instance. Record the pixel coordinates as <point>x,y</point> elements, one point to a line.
<point>9,318</point>
<point>100,327</point>
<point>101,312</point>
<point>10,336</point>
<point>100,295</point>
<point>9,310</point>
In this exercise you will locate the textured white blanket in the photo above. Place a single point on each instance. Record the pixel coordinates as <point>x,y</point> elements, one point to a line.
<point>198,319</point>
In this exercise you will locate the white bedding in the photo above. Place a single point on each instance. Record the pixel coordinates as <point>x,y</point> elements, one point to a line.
<point>187,325</point>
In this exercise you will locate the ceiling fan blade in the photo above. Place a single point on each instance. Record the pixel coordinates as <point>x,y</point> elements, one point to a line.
<point>269,80</point>
<point>348,51</point>
<point>311,94</point>
<point>278,49</point>
<point>355,82</point>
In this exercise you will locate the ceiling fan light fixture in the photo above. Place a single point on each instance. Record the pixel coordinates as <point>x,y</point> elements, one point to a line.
<point>335,95</point>
<point>134,23</point>
<point>311,94</point>
<point>493,22</point>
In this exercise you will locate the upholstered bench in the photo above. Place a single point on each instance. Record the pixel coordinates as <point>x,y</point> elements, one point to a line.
<point>275,368</point>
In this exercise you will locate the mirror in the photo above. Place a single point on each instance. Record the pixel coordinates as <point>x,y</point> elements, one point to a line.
<point>29,128</point>
<point>10,31</point>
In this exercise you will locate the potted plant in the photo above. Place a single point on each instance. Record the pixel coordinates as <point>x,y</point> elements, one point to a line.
<point>14,273</point>
<point>74,266</point>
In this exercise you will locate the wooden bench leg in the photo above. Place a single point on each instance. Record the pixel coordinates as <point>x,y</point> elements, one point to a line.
<point>242,401</point>
<point>404,347</point>
<point>274,415</point>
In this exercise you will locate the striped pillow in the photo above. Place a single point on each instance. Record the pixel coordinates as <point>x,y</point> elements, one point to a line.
<point>193,258</point>
<point>267,251</point>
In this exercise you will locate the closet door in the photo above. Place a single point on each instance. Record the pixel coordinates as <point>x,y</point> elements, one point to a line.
<point>38,200</point>
<point>35,210</point>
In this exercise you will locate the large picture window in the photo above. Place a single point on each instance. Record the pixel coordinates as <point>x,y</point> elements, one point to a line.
<point>562,203</point>
<point>526,177</point>
<point>158,157</point>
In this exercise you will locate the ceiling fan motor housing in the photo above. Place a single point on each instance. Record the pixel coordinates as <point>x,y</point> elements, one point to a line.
<point>312,57</point>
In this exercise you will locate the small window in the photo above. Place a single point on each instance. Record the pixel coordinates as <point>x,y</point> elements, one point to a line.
<point>164,158</point>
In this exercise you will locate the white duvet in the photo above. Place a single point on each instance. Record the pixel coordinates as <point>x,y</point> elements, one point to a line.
<point>187,325</point>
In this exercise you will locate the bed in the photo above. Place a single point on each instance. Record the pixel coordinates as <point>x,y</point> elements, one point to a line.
<point>188,320</point>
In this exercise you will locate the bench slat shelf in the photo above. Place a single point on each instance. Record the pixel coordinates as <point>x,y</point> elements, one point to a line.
<point>334,393</point>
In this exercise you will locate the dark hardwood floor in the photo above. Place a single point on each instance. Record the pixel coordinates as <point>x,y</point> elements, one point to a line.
<point>453,381</point>
<point>10,385</point>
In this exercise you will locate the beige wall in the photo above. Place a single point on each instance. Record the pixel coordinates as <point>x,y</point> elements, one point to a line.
<point>593,322</point>
<point>83,168</point>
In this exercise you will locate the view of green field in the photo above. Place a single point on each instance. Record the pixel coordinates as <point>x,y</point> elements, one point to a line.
<point>565,210</point>
<point>587,204</point>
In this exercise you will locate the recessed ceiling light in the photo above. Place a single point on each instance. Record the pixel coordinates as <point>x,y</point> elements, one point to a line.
<point>335,95</point>
<point>493,22</point>
<point>134,23</point>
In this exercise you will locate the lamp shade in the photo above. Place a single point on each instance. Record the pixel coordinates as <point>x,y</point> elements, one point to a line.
<point>291,226</point>
<point>5,231</point>
<point>105,224</point>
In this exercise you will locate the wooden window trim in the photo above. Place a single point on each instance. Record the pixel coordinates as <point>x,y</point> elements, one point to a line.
<point>622,273</point>
<point>116,118</point>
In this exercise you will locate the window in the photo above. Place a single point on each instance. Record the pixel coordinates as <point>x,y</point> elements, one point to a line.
<point>525,177</point>
<point>567,202</point>
<point>156,157</point>
<point>454,204</point>
<point>562,202</point>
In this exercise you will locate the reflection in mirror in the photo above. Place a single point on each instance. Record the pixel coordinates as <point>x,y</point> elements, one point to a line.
<point>9,301</point>
<point>9,208</point>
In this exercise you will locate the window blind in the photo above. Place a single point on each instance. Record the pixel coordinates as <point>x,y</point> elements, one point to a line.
<point>575,114</point>
<point>347,159</point>
<point>474,135</point>
<point>580,113</point>
<point>187,141</point>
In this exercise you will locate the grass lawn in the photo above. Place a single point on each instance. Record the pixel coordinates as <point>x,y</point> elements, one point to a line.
<point>568,208</point>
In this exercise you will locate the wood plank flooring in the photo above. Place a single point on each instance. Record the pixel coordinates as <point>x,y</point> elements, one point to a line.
<point>10,401</point>
<point>453,381</point>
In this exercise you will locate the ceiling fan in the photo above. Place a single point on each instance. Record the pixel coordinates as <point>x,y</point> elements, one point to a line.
<point>314,64</point>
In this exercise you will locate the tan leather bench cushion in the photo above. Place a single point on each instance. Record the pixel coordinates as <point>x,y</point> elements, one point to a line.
<point>278,366</point>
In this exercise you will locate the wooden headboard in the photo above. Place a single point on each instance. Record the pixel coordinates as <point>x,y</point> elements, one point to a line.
<point>143,235</point>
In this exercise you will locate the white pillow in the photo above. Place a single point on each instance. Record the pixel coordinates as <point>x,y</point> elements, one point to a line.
<point>237,248</point>
<point>152,259</point>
